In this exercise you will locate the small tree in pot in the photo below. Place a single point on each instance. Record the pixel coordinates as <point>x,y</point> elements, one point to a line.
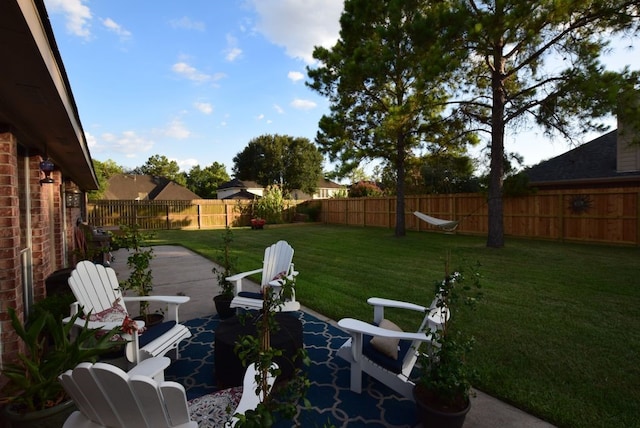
<point>226,264</point>
<point>444,387</point>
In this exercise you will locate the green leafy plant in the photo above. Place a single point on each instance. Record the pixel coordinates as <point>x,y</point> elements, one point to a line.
<point>33,380</point>
<point>226,262</point>
<point>280,402</point>
<point>446,377</point>
<point>140,280</point>
<point>271,205</point>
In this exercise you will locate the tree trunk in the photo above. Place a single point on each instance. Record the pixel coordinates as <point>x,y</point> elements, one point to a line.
<point>400,223</point>
<point>495,237</point>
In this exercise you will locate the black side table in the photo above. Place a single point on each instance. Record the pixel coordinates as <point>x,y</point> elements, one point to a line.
<point>229,370</point>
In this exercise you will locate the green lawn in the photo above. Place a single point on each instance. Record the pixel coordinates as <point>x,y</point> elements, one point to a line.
<point>558,332</point>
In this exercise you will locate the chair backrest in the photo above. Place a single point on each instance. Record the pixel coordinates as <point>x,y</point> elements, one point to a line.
<point>109,397</point>
<point>278,259</point>
<point>95,287</point>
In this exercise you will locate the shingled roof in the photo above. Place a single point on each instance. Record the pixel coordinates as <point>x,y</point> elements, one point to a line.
<point>593,161</point>
<point>146,187</point>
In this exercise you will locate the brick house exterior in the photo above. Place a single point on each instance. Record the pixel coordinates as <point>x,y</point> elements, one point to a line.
<point>38,120</point>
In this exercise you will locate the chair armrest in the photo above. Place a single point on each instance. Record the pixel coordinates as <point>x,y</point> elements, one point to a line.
<point>237,279</point>
<point>173,302</point>
<point>379,304</point>
<point>377,301</point>
<point>354,326</point>
<point>150,367</point>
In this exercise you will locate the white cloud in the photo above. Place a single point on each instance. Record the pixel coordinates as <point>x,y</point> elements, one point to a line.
<point>233,52</point>
<point>187,71</point>
<point>128,143</point>
<point>301,104</point>
<point>186,164</point>
<point>78,15</point>
<point>116,28</point>
<point>91,140</point>
<point>278,109</point>
<point>177,130</point>
<point>295,76</point>
<point>187,24</point>
<point>205,108</point>
<point>299,25</point>
<point>260,117</point>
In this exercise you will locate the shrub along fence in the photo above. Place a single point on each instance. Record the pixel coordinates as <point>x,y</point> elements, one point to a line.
<point>610,216</point>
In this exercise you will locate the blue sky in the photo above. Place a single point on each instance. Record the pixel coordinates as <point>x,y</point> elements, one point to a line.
<point>196,80</point>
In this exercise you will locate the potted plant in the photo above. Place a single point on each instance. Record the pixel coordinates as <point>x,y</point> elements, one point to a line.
<point>443,388</point>
<point>33,395</point>
<point>281,402</point>
<point>140,280</point>
<point>226,265</point>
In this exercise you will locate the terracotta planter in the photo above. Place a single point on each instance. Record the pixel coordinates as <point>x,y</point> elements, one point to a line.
<point>223,306</point>
<point>431,417</point>
<point>52,417</point>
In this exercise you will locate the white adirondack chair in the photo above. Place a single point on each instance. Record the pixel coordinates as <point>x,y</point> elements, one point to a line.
<point>363,357</point>
<point>107,396</point>
<point>277,262</point>
<point>97,290</point>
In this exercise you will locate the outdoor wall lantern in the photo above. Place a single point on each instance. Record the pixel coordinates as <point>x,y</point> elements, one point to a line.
<point>47,167</point>
<point>72,199</point>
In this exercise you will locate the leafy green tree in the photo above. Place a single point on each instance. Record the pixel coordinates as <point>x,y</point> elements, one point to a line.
<point>104,171</point>
<point>535,62</point>
<point>204,182</point>
<point>449,173</point>
<point>385,98</point>
<point>161,166</point>
<point>291,163</point>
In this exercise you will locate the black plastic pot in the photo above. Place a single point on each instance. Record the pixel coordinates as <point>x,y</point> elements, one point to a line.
<point>223,306</point>
<point>52,417</point>
<point>430,417</point>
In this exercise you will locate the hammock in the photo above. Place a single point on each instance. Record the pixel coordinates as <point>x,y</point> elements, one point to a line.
<point>446,225</point>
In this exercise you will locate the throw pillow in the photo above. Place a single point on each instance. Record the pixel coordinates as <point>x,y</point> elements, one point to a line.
<point>387,345</point>
<point>115,313</point>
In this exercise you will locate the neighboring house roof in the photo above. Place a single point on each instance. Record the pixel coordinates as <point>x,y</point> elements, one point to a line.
<point>235,183</point>
<point>593,161</point>
<point>323,183</point>
<point>128,186</point>
<point>242,194</point>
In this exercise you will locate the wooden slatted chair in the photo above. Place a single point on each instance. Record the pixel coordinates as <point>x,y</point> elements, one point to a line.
<point>277,263</point>
<point>107,396</point>
<point>393,354</point>
<point>99,297</point>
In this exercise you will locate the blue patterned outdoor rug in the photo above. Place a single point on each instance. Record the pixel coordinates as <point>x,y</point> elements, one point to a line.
<point>332,402</point>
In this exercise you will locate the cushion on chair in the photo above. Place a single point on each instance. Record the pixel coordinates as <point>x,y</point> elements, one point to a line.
<point>250,295</point>
<point>155,332</point>
<point>387,345</point>
<point>392,364</point>
<point>115,313</point>
<point>215,409</point>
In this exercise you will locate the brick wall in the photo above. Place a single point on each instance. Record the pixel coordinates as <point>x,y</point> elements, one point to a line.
<point>10,278</point>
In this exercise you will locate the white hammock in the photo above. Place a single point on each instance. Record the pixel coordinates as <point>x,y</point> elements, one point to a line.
<point>446,225</point>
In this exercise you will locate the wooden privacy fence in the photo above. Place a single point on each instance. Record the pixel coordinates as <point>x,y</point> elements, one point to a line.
<point>609,216</point>
<point>196,214</point>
